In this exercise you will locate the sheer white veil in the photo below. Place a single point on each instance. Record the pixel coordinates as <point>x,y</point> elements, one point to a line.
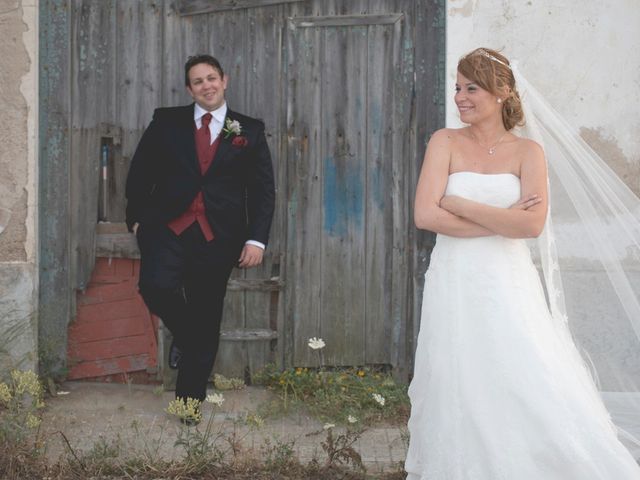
<point>590,250</point>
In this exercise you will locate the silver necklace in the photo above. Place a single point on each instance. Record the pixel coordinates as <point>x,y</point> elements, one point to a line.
<point>492,149</point>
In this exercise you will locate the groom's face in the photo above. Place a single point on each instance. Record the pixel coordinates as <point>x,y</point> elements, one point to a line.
<point>207,86</point>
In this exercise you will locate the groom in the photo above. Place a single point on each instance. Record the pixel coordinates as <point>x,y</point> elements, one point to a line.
<point>200,199</point>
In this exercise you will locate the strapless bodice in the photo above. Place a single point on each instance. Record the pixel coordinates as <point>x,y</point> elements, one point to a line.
<point>495,189</point>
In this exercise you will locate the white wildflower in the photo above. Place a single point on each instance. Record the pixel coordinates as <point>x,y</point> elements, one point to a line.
<point>316,343</point>
<point>378,398</point>
<point>328,426</point>
<point>215,398</point>
<point>351,419</point>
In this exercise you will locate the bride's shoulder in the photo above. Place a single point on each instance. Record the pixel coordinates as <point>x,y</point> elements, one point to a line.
<point>527,147</point>
<point>530,154</point>
<point>447,135</point>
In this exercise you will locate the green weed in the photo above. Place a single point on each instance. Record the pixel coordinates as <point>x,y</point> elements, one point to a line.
<point>343,395</point>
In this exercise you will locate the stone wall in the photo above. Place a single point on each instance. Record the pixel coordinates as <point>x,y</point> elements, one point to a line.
<point>18,180</point>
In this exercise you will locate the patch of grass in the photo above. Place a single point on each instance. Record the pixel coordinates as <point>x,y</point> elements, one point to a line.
<point>20,406</point>
<point>245,469</point>
<point>158,391</point>
<point>340,449</point>
<point>223,383</point>
<point>208,453</point>
<point>340,395</point>
<point>278,455</point>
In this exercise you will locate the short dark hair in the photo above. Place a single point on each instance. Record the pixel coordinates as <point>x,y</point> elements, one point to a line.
<point>194,60</point>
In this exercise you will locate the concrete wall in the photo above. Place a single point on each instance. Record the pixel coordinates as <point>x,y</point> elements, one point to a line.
<point>18,180</point>
<point>583,56</point>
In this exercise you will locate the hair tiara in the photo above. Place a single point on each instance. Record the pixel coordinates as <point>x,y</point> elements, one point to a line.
<point>483,52</point>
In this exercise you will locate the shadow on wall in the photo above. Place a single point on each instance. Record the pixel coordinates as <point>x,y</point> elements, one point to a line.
<point>11,334</point>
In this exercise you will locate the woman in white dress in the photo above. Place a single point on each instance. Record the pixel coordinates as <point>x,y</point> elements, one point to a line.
<point>499,391</point>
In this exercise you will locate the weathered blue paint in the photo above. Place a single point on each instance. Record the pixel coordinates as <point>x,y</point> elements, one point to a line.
<point>54,217</point>
<point>342,197</point>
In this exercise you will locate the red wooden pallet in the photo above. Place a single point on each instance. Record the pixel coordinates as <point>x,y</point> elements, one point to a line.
<point>114,332</point>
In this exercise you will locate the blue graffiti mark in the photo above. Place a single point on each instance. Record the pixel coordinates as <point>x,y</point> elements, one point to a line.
<point>343,198</point>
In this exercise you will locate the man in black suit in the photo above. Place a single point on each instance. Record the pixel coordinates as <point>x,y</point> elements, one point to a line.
<point>200,199</point>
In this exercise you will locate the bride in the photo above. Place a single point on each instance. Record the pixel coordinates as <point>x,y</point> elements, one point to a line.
<point>500,391</point>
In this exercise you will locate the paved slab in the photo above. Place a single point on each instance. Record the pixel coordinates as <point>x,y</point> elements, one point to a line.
<point>131,419</point>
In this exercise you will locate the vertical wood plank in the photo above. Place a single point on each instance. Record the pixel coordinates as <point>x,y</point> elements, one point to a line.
<point>262,100</point>
<point>403,136</point>
<point>378,274</point>
<point>304,190</point>
<point>173,58</point>
<point>343,160</point>
<point>54,213</point>
<point>139,54</point>
<point>92,101</point>
<point>139,85</point>
<point>227,42</point>
<point>430,26</point>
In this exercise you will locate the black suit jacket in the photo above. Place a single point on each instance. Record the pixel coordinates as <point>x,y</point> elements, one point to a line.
<point>164,177</point>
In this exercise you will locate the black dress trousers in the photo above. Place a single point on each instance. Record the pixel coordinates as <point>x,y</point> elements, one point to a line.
<point>183,280</point>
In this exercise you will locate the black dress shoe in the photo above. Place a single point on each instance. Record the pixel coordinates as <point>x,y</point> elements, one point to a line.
<point>175,354</point>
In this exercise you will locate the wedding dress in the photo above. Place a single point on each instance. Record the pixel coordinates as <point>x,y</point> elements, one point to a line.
<point>499,390</point>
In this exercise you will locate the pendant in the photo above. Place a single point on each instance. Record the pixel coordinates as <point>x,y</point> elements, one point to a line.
<point>492,150</point>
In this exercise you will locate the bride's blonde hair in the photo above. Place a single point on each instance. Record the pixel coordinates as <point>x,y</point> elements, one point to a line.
<point>491,71</point>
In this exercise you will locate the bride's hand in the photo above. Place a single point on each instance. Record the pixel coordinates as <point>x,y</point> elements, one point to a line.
<point>526,202</point>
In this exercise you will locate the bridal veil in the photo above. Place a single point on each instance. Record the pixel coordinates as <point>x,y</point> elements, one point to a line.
<point>594,224</point>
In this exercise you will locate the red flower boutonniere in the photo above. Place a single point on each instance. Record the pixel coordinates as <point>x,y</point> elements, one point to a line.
<point>239,141</point>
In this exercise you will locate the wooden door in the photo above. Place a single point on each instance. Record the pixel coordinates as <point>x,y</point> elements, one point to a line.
<point>348,90</point>
<point>348,122</point>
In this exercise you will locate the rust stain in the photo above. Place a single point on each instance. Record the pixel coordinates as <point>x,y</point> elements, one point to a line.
<point>607,147</point>
<point>465,10</point>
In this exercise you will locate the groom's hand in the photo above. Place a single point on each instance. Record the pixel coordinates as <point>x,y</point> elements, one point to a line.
<point>250,257</point>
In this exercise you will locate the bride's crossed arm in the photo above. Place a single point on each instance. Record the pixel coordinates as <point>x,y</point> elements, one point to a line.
<point>460,217</point>
<point>526,218</point>
<point>428,214</point>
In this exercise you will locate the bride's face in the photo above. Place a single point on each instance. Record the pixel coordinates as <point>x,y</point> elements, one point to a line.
<point>474,103</point>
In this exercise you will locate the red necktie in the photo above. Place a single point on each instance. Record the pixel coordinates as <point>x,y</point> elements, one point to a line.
<point>203,141</point>
<point>206,120</point>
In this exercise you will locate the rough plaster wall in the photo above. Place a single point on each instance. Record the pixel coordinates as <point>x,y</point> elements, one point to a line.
<point>13,132</point>
<point>18,137</point>
<point>583,56</point>
<point>18,328</point>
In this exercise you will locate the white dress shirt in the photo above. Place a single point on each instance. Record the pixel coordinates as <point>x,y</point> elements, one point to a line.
<point>215,127</point>
<point>217,121</point>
